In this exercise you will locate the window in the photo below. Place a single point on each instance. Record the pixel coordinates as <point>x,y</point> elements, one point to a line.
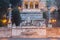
<point>26,5</point>
<point>36,5</point>
<point>31,5</point>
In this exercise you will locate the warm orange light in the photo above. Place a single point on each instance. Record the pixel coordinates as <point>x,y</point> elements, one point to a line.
<point>53,20</point>
<point>31,4</point>
<point>4,21</point>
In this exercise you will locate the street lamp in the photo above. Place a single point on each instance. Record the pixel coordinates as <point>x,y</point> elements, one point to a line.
<point>50,10</point>
<point>49,17</point>
<point>10,11</point>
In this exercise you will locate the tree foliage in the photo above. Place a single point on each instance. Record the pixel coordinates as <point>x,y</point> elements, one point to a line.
<point>14,2</point>
<point>59,14</point>
<point>4,4</point>
<point>16,17</point>
<point>3,7</point>
<point>44,15</point>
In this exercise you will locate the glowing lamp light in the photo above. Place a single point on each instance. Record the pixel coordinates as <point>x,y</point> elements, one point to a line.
<point>52,21</point>
<point>55,20</point>
<point>4,21</point>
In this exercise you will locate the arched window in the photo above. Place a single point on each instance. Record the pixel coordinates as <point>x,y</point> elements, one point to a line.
<point>26,5</point>
<point>36,4</point>
<point>31,5</point>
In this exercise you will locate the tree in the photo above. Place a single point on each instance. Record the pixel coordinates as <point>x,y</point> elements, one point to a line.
<point>4,4</point>
<point>3,9</point>
<point>59,14</point>
<point>44,15</point>
<point>14,2</point>
<point>16,17</point>
<point>15,13</point>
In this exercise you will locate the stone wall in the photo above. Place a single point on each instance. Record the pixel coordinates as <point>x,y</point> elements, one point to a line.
<point>30,32</point>
<point>5,32</point>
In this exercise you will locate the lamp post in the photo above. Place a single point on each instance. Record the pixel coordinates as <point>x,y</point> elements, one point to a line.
<point>10,11</point>
<point>48,3</point>
<point>49,17</point>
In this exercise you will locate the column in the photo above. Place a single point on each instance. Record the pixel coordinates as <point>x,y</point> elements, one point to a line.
<point>28,5</point>
<point>10,11</point>
<point>23,4</point>
<point>34,5</point>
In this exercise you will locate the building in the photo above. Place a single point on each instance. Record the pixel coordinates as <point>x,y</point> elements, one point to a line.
<point>32,11</point>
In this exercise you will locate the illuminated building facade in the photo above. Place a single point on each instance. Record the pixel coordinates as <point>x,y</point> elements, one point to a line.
<point>32,11</point>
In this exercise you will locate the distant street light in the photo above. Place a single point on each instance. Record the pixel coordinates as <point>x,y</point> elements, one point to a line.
<point>4,21</point>
<point>52,21</point>
<point>49,17</point>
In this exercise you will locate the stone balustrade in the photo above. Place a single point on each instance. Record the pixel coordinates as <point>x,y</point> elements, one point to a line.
<point>30,32</point>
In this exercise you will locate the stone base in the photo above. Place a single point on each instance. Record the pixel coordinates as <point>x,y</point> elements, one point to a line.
<point>30,32</point>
